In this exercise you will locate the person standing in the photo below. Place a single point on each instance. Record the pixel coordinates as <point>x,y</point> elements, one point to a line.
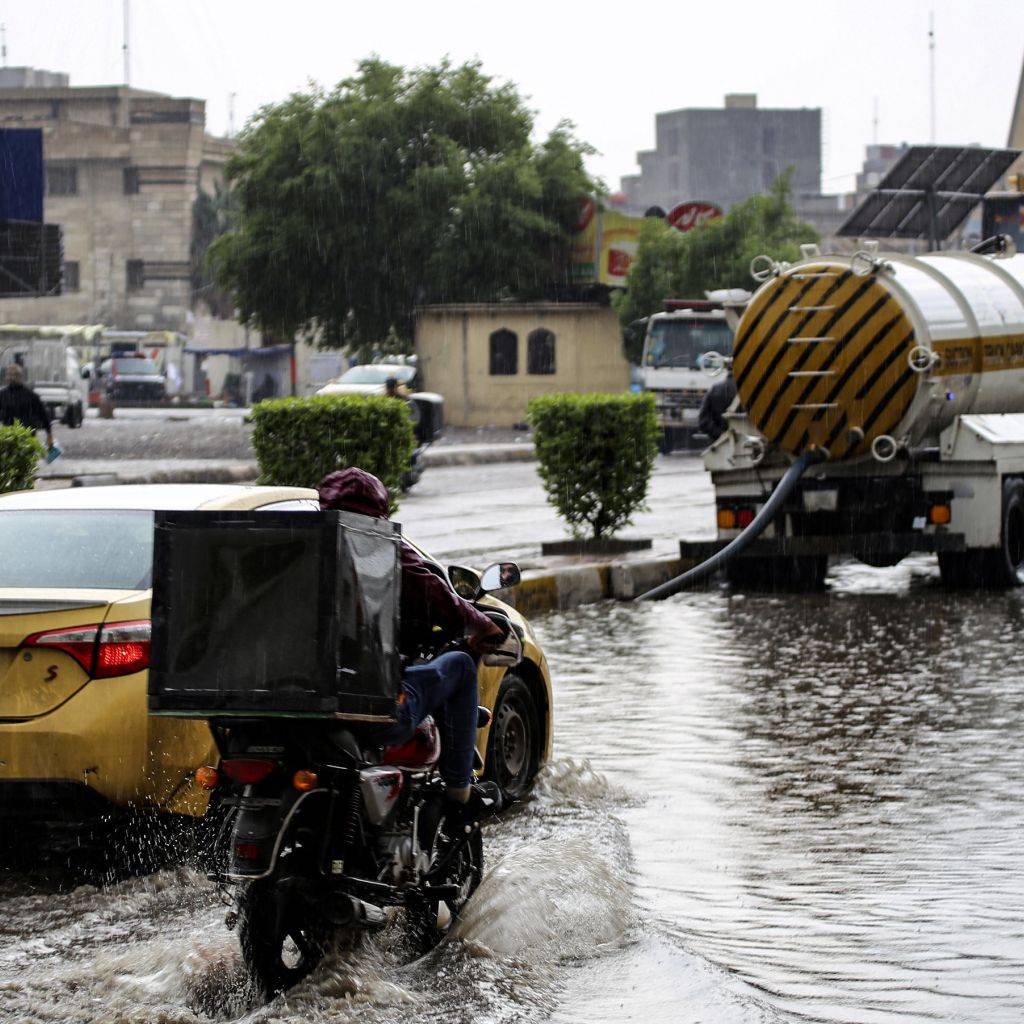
<point>20,404</point>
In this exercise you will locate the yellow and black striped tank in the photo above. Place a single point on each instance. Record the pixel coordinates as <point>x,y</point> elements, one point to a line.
<point>837,352</point>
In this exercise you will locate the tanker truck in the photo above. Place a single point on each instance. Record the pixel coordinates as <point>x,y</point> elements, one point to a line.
<point>879,412</point>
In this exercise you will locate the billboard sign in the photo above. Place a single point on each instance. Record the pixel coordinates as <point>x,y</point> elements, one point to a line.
<point>686,216</point>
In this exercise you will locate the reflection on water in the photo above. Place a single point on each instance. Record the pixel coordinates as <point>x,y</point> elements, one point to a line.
<point>831,810</point>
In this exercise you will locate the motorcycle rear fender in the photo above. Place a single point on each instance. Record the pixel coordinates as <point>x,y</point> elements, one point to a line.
<point>261,826</point>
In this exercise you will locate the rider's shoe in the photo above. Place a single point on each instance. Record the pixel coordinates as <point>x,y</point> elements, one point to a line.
<point>484,802</point>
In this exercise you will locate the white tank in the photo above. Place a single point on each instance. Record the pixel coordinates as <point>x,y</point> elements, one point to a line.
<point>849,352</point>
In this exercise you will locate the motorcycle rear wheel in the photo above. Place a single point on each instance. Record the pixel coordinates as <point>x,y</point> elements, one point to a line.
<point>280,944</point>
<point>429,919</point>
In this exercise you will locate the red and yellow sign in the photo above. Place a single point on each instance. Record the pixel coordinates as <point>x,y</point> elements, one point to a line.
<point>605,242</point>
<point>604,245</point>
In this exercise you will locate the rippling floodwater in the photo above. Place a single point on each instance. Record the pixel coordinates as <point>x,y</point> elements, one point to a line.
<point>832,811</point>
<point>798,808</point>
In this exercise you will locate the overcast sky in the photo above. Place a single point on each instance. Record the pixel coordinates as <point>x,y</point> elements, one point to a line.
<point>609,68</point>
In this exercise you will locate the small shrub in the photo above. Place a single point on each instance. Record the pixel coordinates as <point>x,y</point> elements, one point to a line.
<point>298,441</point>
<point>595,453</point>
<point>20,452</point>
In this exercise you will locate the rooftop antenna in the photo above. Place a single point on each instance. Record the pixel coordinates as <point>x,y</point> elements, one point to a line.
<point>124,46</point>
<point>3,44</point>
<point>931,70</point>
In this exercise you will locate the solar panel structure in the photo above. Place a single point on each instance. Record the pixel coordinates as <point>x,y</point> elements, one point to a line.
<point>928,193</point>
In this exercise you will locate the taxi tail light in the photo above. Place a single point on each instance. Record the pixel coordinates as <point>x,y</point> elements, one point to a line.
<point>104,651</point>
<point>247,770</point>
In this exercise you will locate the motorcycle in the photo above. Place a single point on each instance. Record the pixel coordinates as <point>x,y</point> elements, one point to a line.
<point>323,831</point>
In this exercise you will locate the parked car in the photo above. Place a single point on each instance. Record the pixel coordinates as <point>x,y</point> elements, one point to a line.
<point>371,378</point>
<point>52,369</point>
<point>77,746</point>
<point>425,407</point>
<point>132,379</point>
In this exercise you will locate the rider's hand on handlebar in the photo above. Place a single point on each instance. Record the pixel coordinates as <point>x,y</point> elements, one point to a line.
<point>486,640</point>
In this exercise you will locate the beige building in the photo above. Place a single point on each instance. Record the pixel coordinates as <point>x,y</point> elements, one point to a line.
<point>123,168</point>
<point>488,361</point>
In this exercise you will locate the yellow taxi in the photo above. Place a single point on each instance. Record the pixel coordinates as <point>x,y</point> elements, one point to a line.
<point>76,741</point>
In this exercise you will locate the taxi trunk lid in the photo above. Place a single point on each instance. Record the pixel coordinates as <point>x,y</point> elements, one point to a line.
<point>35,680</point>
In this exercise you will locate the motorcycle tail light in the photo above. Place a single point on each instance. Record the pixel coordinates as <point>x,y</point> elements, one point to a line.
<point>247,851</point>
<point>104,651</point>
<point>304,780</point>
<point>206,777</point>
<point>247,770</point>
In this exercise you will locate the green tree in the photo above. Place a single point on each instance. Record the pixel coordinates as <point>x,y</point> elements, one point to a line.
<point>212,216</point>
<point>715,254</point>
<point>395,188</point>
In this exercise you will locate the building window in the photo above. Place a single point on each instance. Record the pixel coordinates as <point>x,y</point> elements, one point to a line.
<point>61,180</point>
<point>540,351</point>
<point>71,280</point>
<point>136,274</point>
<point>504,346</point>
<point>131,181</point>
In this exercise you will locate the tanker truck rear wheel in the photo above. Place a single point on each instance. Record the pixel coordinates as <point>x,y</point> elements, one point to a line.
<point>992,568</point>
<point>1011,562</point>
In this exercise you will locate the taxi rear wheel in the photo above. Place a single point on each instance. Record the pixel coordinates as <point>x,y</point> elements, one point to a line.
<point>514,744</point>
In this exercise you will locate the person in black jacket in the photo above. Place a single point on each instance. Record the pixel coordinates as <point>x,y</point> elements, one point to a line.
<point>20,404</point>
<point>718,398</point>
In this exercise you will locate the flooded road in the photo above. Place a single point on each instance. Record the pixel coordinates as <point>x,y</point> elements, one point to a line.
<point>761,809</point>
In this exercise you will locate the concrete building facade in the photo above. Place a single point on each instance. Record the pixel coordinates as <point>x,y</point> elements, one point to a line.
<point>725,155</point>
<point>488,361</point>
<point>123,167</point>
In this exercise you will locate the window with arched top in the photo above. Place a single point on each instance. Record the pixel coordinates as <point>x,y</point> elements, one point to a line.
<point>504,345</point>
<point>540,351</point>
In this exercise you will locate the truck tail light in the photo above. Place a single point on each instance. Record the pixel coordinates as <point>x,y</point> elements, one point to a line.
<point>940,515</point>
<point>726,519</point>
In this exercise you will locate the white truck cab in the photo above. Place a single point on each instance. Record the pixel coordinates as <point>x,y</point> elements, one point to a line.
<point>677,364</point>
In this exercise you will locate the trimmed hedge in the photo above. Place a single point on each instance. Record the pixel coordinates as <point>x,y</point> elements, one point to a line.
<point>298,441</point>
<point>20,452</point>
<point>595,454</point>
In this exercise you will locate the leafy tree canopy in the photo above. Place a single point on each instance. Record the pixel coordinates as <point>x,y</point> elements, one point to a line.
<point>715,254</point>
<point>396,188</point>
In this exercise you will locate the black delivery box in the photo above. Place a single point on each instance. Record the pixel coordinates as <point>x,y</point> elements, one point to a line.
<point>274,613</point>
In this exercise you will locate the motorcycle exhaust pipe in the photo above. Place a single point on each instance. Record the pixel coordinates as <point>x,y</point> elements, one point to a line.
<point>344,911</point>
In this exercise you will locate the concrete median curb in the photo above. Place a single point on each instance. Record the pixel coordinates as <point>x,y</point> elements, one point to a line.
<point>474,455</point>
<point>571,586</point>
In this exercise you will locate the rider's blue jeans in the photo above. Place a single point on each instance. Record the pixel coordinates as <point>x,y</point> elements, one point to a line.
<point>447,689</point>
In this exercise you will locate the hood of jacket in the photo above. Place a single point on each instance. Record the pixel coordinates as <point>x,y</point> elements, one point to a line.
<point>354,490</point>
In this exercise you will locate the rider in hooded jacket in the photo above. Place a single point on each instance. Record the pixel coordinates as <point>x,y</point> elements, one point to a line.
<point>445,686</point>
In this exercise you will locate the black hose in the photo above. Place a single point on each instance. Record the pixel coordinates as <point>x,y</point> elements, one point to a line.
<point>746,538</point>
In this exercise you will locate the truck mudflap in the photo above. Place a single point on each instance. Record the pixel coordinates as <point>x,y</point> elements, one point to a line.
<point>875,549</point>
